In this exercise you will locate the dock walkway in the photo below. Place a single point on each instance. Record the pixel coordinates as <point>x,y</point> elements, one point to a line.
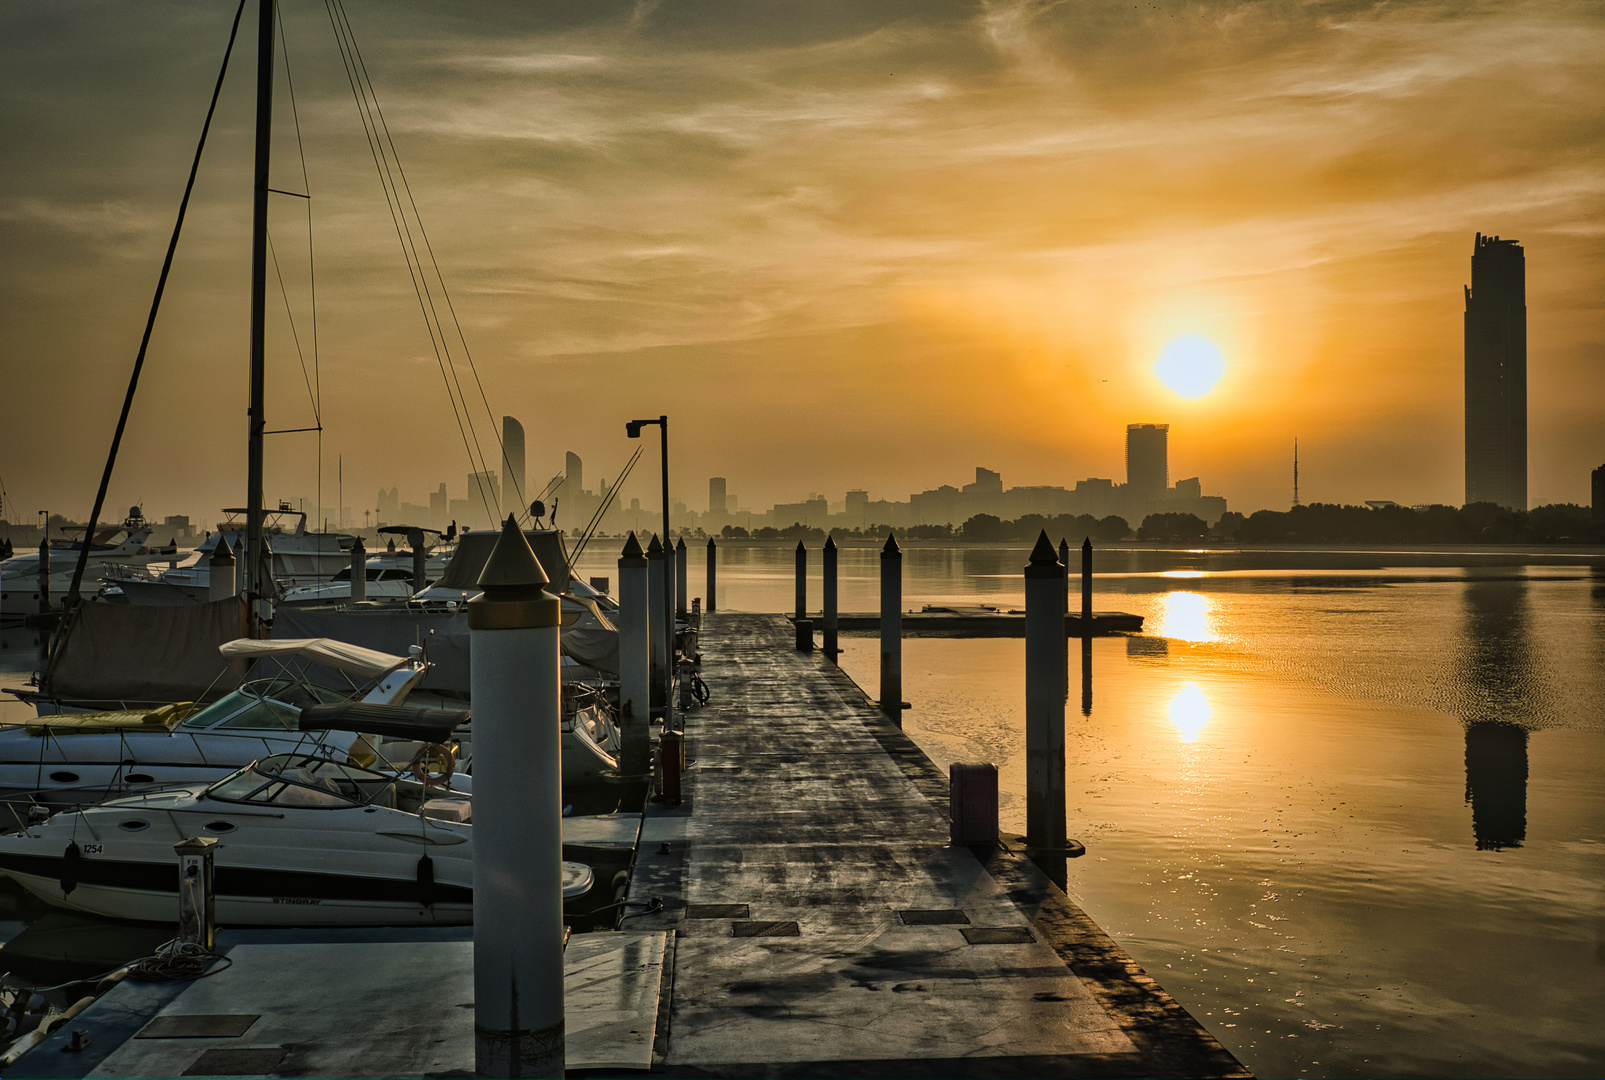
<point>823,925</point>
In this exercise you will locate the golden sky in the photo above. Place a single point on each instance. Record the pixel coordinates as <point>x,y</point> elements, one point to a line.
<point>840,244</point>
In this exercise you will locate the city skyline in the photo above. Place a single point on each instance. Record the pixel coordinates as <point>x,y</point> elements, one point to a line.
<point>836,247</point>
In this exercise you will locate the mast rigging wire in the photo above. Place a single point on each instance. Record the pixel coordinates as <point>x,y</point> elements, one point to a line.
<point>399,198</point>
<point>150,322</point>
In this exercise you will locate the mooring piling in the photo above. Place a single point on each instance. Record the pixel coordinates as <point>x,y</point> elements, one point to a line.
<point>634,622</point>
<point>518,839</point>
<point>1044,702</point>
<point>892,630</point>
<point>359,573</point>
<point>657,570</point>
<point>713,576</point>
<point>680,589</point>
<point>828,587</point>
<point>1086,585</point>
<point>802,581</point>
<point>220,580</point>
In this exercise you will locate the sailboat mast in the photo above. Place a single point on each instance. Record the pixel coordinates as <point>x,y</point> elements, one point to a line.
<point>258,577</point>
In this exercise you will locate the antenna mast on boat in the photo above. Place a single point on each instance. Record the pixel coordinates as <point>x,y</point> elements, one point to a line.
<point>258,578</point>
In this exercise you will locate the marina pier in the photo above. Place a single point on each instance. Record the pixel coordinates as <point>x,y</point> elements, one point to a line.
<point>800,911</point>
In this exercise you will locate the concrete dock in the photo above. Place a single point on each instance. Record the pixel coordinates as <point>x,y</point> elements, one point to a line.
<point>823,925</point>
<point>799,913</point>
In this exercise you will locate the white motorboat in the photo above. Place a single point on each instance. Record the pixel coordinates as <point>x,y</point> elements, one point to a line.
<point>389,578</point>
<point>303,840</point>
<point>72,758</point>
<point>299,558</point>
<point>19,575</point>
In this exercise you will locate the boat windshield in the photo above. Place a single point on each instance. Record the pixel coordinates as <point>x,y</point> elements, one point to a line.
<point>305,780</point>
<point>263,704</point>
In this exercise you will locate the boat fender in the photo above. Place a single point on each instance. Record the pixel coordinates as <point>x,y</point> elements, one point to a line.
<point>69,867</point>
<point>426,881</point>
<point>433,765</point>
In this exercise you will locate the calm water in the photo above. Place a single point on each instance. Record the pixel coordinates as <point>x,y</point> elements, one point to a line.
<point>1349,808</point>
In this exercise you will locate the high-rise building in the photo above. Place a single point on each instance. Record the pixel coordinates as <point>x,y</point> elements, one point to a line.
<point>574,470</point>
<point>1496,374</point>
<point>514,495</point>
<point>716,495</point>
<point>1597,491</point>
<point>1147,466</point>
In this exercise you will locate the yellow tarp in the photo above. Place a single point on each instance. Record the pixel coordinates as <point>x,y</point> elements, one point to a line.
<point>165,717</point>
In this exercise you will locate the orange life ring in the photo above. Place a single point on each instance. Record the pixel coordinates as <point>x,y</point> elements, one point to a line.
<point>434,755</point>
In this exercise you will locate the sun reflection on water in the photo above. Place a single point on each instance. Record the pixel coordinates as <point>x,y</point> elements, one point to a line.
<point>1186,616</point>
<point>1189,711</point>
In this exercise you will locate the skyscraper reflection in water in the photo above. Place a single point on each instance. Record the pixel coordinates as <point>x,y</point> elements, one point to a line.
<point>1498,664</point>
<point>1496,784</point>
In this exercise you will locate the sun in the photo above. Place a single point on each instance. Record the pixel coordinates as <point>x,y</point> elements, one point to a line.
<point>1190,366</point>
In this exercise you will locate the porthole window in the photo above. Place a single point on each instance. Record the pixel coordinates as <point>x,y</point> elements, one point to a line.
<point>62,776</point>
<point>140,778</point>
<point>220,826</point>
<point>133,824</point>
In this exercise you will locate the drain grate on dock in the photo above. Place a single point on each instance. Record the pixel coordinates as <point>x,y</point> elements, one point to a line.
<point>717,911</point>
<point>998,935</point>
<point>244,1061</point>
<point>764,929</point>
<point>934,917</point>
<point>199,1026</point>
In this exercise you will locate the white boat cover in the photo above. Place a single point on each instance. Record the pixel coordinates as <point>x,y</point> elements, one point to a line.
<point>337,654</point>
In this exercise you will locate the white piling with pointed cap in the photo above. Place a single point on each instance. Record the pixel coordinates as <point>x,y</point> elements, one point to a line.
<point>713,576</point>
<point>359,571</point>
<point>1044,698</point>
<point>634,622</point>
<point>221,582</point>
<point>518,813</point>
<point>892,630</point>
<point>681,592</point>
<point>656,569</point>
<point>828,588</point>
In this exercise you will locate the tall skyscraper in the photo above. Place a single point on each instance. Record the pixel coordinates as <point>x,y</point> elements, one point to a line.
<point>1496,374</point>
<point>1147,467</point>
<point>716,496</point>
<point>574,469</point>
<point>515,497</point>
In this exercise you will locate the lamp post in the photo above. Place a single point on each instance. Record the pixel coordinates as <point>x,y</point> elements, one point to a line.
<point>633,428</point>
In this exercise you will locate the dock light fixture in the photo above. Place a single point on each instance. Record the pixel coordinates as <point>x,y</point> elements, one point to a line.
<point>632,428</point>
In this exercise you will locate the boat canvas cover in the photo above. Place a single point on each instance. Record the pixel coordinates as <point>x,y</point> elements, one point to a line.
<point>391,630</point>
<point>473,549</point>
<point>394,721</point>
<point>591,639</point>
<point>137,652</point>
<point>341,655</point>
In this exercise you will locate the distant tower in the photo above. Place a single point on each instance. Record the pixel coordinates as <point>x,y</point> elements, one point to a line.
<point>1295,472</point>
<point>514,495</point>
<point>1147,466</point>
<point>574,470</point>
<point>1496,374</point>
<point>1597,492</point>
<point>716,495</point>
